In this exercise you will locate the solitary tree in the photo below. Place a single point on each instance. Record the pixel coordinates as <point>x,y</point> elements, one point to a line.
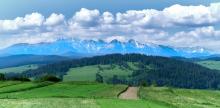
<point>99,78</point>
<point>2,76</point>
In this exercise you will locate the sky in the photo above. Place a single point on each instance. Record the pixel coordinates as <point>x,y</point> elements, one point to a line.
<point>177,23</point>
<point>10,9</point>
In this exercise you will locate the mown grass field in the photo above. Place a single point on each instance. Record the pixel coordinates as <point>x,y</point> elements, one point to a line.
<point>18,69</point>
<point>88,73</point>
<point>182,98</point>
<point>77,103</point>
<point>68,95</point>
<point>22,87</point>
<point>64,89</point>
<point>96,95</point>
<point>210,64</point>
<point>15,94</point>
<point>8,83</point>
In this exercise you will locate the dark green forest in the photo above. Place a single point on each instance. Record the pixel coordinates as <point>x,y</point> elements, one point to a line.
<point>152,70</point>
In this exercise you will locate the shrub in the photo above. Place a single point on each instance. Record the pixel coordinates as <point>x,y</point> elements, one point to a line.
<point>99,78</point>
<point>19,79</point>
<point>50,78</point>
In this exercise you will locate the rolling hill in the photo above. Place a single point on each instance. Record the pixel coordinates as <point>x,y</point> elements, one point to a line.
<point>211,63</point>
<point>96,95</point>
<point>161,71</point>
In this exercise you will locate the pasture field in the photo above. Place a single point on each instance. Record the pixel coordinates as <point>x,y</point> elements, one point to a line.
<point>8,83</point>
<point>68,95</point>
<point>210,64</point>
<point>16,87</point>
<point>96,95</point>
<point>77,103</point>
<point>182,98</point>
<point>88,73</point>
<point>63,89</point>
<point>18,69</point>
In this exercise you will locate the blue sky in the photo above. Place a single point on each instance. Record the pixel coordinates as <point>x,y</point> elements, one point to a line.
<point>177,23</point>
<point>10,8</point>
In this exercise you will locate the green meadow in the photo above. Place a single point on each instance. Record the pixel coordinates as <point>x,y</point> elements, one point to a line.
<point>63,89</point>
<point>210,64</point>
<point>79,90</point>
<point>182,98</point>
<point>15,94</point>
<point>67,95</point>
<point>88,73</point>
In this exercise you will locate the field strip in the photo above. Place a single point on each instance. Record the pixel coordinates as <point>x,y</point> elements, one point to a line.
<point>26,89</point>
<point>130,93</point>
<point>7,85</point>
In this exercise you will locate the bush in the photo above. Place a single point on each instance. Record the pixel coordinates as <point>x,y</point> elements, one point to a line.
<point>20,79</point>
<point>145,84</point>
<point>99,78</point>
<point>50,78</point>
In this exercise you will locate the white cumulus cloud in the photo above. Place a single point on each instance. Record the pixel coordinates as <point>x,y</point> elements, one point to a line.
<point>176,25</point>
<point>54,19</point>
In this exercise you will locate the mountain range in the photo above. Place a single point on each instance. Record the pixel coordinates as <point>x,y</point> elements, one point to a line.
<point>83,48</point>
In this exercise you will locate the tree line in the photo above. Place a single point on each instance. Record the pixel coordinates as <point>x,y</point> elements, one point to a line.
<point>160,71</point>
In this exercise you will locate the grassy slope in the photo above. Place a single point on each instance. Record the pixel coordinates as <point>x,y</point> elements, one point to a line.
<point>71,95</point>
<point>22,86</point>
<point>117,103</point>
<point>93,95</point>
<point>18,69</point>
<point>210,64</point>
<point>182,98</point>
<point>48,103</point>
<point>77,103</point>
<point>88,73</point>
<point>8,83</point>
<point>67,89</point>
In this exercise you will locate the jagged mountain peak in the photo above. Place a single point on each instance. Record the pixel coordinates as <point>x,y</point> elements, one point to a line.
<point>95,47</point>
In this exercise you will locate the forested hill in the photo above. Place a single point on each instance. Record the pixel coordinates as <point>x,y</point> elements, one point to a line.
<point>160,71</point>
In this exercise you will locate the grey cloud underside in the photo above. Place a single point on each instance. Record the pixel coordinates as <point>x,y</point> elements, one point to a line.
<point>196,27</point>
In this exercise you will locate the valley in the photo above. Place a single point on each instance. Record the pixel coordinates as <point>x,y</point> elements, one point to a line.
<point>110,54</point>
<point>112,81</point>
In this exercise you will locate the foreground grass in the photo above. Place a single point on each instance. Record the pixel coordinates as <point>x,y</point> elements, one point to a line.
<point>67,89</point>
<point>8,83</point>
<point>48,103</point>
<point>95,95</point>
<point>117,103</point>
<point>68,95</point>
<point>16,87</point>
<point>182,98</point>
<point>77,103</point>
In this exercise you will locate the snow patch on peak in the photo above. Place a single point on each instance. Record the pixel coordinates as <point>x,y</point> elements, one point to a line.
<point>95,47</point>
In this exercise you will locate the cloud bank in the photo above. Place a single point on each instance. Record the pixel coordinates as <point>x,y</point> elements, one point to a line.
<point>177,25</point>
